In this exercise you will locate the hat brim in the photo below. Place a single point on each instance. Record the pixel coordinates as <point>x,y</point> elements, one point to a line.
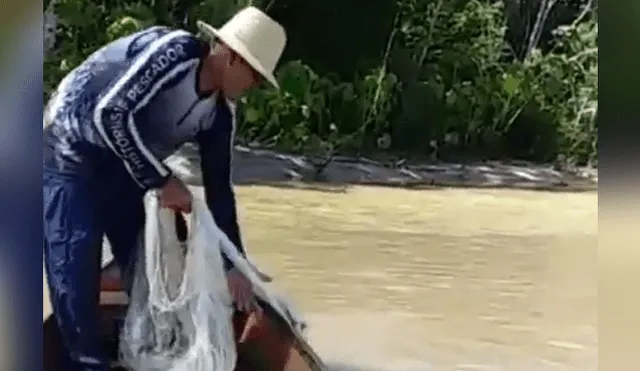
<point>238,47</point>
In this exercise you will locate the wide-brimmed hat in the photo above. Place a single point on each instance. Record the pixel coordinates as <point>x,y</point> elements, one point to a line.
<point>256,38</point>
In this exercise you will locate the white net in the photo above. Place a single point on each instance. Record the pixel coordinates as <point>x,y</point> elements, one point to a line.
<point>180,313</point>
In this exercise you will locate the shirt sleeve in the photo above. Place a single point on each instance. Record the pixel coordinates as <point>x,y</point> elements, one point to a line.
<point>156,65</point>
<point>216,146</point>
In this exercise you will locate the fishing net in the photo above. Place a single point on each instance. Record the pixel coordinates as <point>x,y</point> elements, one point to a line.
<point>180,311</point>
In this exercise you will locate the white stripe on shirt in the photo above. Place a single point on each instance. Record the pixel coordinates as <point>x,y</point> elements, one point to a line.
<point>131,73</point>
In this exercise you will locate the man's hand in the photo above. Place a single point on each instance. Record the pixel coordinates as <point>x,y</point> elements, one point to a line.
<point>175,195</point>
<point>241,291</point>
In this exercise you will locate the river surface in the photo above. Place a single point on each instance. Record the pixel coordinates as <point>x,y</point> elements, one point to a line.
<point>464,280</point>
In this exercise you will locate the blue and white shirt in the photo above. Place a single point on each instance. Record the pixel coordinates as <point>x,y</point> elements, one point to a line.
<point>133,103</point>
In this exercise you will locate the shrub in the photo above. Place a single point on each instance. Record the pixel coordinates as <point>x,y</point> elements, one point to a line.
<point>447,83</point>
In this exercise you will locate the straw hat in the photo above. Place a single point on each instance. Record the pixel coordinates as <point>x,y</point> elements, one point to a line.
<point>256,37</point>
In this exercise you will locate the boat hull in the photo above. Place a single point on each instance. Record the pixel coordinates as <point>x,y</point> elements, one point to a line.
<point>264,343</point>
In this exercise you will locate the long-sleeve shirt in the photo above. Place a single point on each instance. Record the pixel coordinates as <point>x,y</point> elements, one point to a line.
<point>133,103</point>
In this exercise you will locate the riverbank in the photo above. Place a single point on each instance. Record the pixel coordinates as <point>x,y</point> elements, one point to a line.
<point>268,167</point>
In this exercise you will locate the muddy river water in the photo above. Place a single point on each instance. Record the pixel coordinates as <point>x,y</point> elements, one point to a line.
<point>404,280</point>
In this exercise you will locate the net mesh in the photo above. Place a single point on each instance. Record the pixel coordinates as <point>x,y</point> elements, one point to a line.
<point>180,312</point>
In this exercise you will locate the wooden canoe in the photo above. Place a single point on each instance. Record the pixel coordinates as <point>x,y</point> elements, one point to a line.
<point>264,343</point>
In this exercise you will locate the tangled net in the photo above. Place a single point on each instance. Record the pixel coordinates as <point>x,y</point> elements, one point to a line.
<point>180,313</point>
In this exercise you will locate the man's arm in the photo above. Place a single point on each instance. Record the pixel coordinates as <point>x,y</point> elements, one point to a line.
<point>160,62</point>
<point>216,146</point>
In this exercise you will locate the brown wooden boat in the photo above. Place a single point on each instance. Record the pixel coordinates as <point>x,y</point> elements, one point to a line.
<point>264,343</point>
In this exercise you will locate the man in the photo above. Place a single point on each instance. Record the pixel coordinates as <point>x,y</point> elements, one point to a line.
<point>108,127</point>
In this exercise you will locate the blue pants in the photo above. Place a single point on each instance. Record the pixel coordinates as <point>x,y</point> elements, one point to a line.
<point>78,210</point>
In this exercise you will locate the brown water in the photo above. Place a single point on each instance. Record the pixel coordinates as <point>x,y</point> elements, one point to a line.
<point>435,280</point>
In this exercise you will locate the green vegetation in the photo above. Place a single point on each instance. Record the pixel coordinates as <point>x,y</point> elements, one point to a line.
<point>439,78</point>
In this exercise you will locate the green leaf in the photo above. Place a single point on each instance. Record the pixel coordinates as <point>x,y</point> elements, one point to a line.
<point>510,84</point>
<point>123,26</point>
<point>295,79</point>
<point>251,115</point>
<point>390,81</point>
<point>348,93</point>
<point>451,97</point>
